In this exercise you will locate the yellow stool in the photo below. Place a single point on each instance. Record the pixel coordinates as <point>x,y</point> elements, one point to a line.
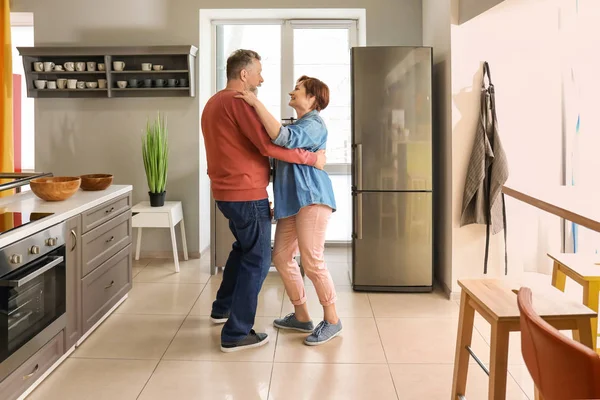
<point>585,270</point>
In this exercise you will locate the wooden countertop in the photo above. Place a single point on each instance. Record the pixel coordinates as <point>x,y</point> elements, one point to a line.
<point>573,203</point>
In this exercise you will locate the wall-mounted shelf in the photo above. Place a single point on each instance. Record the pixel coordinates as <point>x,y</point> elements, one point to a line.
<point>179,63</point>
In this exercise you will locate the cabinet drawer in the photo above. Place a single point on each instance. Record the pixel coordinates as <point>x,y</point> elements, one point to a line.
<point>98,215</point>
<point>29,372</point>
<point>103,242</point>
<point>104,287</point>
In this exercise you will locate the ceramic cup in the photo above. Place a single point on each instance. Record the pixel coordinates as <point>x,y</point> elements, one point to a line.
<point>122,84</point>
<point>61,83</point>
<point>38,66</point>
<point>159,82</point>
<point>80,85</point>
<point>69,66</point>
<point>72,83</point>
<point>102,83</point>
<point>172,82</point>
<point>58,67</point>
<point>146,66</point>
<point>91,66</point>
<point>40,83</point>
<point>80,66</point>
<point>91,85</point>
<point>183,82</point>
<point>118,65</point>
<point>147,83</point>
<point>101,67</point>
<point>133,82</point>
<point>157,67</point>
<point>49,66</point>
<point>51,84</point>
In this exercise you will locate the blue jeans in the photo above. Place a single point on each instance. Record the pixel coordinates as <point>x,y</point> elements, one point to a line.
<point>246,267</point>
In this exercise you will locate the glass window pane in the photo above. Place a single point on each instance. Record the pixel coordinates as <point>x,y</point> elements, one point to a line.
<point>266,41</point>
<point>329,62</point>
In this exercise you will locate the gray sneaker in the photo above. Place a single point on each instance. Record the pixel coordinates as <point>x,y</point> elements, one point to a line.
<point>290,322</point>
<point>323,333</point>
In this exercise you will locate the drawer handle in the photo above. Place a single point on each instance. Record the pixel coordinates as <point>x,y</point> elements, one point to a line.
<point>109,286</point>
<point>35,370</point>
<point>110,240</point>
<point>110,210</point>
<point>74,239</point>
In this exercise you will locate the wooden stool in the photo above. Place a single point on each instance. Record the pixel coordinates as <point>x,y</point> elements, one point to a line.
<point>585,270</point>
<point>167,216</point>
<point>496,301</point>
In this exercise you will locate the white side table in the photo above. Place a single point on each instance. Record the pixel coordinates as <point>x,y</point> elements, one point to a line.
<point>166,216</point>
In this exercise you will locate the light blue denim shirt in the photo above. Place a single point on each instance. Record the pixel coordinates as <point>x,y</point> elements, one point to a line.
<point>296,186</point>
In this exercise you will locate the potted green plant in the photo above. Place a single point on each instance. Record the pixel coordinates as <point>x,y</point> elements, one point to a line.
<point>155,152</point>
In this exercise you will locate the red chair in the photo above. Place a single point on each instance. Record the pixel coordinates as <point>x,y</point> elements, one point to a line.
<point>561,368</point>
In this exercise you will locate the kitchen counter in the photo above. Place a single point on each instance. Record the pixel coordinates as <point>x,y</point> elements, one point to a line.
<point>27,202</point>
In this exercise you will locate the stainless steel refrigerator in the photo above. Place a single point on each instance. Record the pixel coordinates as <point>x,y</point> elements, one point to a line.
<point>392,169</point>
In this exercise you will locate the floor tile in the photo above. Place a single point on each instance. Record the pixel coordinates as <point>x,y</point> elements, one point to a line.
<point>424,340</point>
<point>414,381</point>
<point>142,337</point>
<point>273,277</point>
<point>338,271</point>
<point>200,340</point>
<point>95,379</point>
<point>358,343</point>
<point>270,300</point>
<point>350,304</point>
<point>201,380</point>
<point>332,382</point>
<point>164,272</point>
<point>160,298</point>
<point>413,305</point>
<point>521,375</point>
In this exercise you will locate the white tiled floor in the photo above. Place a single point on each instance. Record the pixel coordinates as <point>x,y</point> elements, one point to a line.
<point>160,344</point>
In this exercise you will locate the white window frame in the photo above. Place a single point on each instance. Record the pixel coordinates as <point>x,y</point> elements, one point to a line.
<point>287,57</point>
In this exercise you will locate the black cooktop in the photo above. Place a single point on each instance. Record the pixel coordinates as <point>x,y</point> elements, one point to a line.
<point>13,220</point>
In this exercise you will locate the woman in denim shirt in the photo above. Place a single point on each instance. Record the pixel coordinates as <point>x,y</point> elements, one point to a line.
<point>304,202</point>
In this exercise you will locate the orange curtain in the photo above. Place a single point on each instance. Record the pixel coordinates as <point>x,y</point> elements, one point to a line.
<point>6,94</point>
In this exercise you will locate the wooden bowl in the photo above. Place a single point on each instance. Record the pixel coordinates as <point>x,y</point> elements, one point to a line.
<point>96,181</point>
<point>56,188</point>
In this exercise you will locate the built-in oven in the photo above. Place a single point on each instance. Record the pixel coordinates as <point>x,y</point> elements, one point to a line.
<point>32,295</point>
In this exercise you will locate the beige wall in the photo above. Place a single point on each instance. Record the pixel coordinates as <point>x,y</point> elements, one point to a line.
<point>100,135</point>
<point>519,39</point>
<point>436,33</point>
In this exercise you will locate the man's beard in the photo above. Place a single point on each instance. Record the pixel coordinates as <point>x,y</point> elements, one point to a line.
<point>254,90</point>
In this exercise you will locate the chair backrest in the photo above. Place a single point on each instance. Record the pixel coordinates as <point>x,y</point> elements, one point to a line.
<point>561,368</point>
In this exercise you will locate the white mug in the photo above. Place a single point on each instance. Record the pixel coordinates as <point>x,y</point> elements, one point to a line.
<point>40,83</point>
<point>38,66</point>
<point>146,66</point>
<point>48,66</point>
<point>91,65</point>
<point>122,84</point>
<point>80,85</point>
<point>80,66</point>
<point>61,83</point>
<point>70,66</point>
<point>118,65</point>
<point>72,83</point>
<point>102,83</point>
<point>58,67</point>
<point>51,84</point>
<point>101,67</point>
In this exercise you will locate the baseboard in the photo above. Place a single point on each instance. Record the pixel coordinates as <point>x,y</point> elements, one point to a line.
<point>167,254</point>
<point>338,244</point>
<point>447,291</point>
<point>205,252</point>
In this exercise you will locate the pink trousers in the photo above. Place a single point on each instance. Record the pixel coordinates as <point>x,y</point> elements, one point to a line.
<point>304,231</point>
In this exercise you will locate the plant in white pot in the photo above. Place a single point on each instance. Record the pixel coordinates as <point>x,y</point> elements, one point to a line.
<point>155,152</point>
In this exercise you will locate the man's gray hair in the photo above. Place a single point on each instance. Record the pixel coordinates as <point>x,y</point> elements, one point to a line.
<point>238,60</point>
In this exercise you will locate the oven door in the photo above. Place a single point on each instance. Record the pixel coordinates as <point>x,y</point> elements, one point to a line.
<point>31,298</point>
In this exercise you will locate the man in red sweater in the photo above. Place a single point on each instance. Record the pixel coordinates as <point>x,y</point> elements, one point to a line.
<point>237,151</point>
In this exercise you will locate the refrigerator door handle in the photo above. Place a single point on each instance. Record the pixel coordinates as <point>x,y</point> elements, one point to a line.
<point>359,172</point>
<point>359,216</point>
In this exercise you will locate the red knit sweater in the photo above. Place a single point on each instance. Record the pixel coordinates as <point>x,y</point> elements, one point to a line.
<point>238,149</point>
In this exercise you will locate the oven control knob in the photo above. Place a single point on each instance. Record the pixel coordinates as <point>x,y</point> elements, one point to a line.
<point>16,259</point>
<point>51,242</point>
<point>34,250</point>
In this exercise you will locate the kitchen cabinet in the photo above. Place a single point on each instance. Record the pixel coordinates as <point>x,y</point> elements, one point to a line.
<point>127,71</point>
<point>73,276</point>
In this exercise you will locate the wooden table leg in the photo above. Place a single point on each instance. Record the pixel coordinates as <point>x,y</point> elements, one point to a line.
<point>590,299</point>
<point>559,279</point>
<point>463,339</point>
<point>498,361</point>
<point>585,332</point>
